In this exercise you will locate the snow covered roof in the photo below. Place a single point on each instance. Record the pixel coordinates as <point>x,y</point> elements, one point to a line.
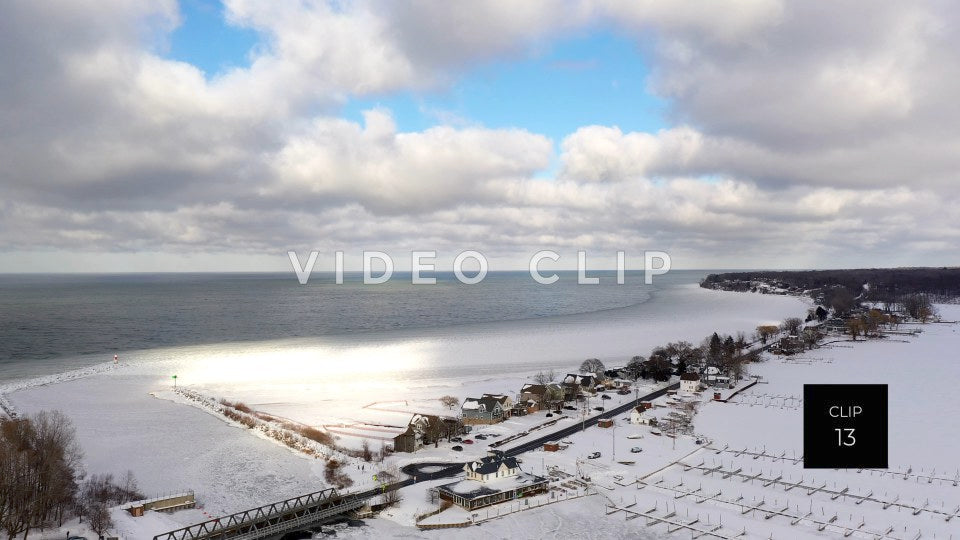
<point>486,403</point>
<point>537,389</point>
<point>490,464</point>
<point>472,489</point>
<point>580,378</point>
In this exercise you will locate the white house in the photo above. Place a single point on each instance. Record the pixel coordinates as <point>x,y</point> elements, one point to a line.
<point>640,417</point>
<point>491,468</point>
<point>689,383</point>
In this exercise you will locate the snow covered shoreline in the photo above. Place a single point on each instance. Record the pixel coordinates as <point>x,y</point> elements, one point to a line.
<point>122,424</point>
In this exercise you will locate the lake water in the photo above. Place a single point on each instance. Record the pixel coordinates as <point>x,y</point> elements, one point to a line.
<point>51,323</point>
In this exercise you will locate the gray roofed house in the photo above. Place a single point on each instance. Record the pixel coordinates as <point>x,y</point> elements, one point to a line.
<point>484,410</point>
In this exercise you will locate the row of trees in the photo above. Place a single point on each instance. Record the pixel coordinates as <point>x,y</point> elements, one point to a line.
<point>42,482</point>
<point>726,352</point>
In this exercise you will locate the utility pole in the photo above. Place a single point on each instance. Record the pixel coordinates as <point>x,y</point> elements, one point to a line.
<point>613,429</point>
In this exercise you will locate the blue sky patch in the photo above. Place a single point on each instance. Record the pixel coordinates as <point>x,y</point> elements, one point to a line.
<point>205,40</point>
<point>597,79</point>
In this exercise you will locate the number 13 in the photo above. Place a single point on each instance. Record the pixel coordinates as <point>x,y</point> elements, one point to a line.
<point>845,437</point>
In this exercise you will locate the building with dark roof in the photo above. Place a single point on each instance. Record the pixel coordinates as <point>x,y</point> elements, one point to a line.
<point>689,382</point>
<point>484,410</point>
<point>491,480</point>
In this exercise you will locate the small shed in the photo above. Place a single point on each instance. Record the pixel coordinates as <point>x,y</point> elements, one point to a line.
<point>605,423</point>
<point>551,447</point>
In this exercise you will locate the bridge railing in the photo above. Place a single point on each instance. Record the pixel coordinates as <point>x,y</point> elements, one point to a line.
<point>230,526</point>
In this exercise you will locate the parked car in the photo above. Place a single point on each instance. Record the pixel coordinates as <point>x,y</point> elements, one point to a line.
<point>494,435</point>
<point>699,441</point>
<point>457,448</point>
<point>549,415</point>
<point>467,441</point>
<point>604,396</point>
<point>569,407</point>
<point>456,439</point>
<point>594,455</point>
<point>623,392</point>
<point>598,409</point>
<point>480,436</point>
<point>636,450</point>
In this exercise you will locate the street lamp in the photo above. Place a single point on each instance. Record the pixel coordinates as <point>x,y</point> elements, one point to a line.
<point>614,444</point>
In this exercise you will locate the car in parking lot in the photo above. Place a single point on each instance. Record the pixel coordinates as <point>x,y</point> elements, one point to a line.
<point>456,439</point>
<point>569,407</point>
<point>480,436</point>
<point>549,415</point>
<point>604,396</point>
<point>594,455</point>
<point>623,392</point>
<point>636,450</point>
<point>598,409</point>
<point>467,441</point>
<point>494,435</point>
<point>457,448</point>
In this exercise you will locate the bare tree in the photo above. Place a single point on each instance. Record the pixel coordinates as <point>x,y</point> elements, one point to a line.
<point>855,327</point>
<point>365,452</point>
<point>919,307</point>
<point>764,332</point>
<point>635,367</point>
<point>99,518</point>
<point>39,470</point>
<point>791,326</point>
<point>593,365</point>
<point>450,401</point>
<point>543,377</point>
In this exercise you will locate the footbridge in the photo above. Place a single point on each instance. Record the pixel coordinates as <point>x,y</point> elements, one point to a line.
<point>275,519</point>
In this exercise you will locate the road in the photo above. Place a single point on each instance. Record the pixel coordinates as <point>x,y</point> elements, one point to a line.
<point>452,469</point>
<point>592,421</point>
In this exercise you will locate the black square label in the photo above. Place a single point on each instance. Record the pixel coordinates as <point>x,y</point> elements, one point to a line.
<point>844,426</point>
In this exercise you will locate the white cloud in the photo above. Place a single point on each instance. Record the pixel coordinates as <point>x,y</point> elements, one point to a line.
<point>803,135</point>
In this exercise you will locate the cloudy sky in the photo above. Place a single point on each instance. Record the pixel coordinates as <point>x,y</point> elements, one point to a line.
<point>199,135</point>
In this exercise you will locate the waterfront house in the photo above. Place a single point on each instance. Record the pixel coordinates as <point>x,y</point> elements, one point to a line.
<point>578,383</point>
<point>505,401</point>
<point>424,429</point>
<point>483,410</point>
<point>490,480</point>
